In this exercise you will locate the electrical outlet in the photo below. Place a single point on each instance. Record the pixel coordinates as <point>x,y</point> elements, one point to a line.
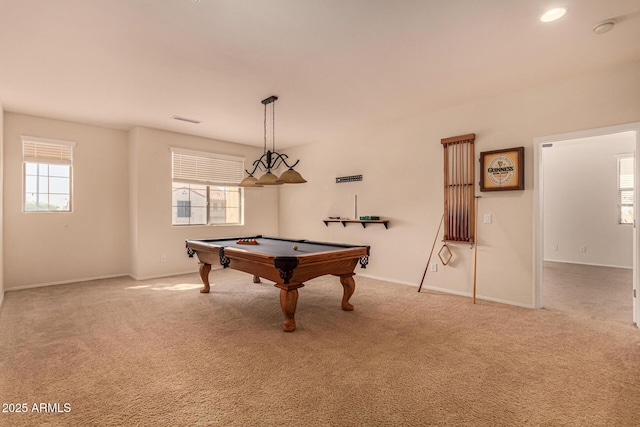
<point>434,267</point>
<point>163,258</point>
<point>555,247</point>
<point>487,218</point>
<point>583,249</point>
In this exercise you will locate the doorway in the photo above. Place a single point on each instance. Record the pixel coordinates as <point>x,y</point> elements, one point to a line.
<point>567,245</point>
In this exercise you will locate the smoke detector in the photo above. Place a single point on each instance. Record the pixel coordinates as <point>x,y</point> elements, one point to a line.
<point>604,26</point>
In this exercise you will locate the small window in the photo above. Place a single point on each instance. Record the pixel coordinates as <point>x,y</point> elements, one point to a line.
<point>184,208</point>
<point>189,204</point>
<point>47,173</point>
<point>625,189</point>
<point>205,188</point>
<point>225,205</point>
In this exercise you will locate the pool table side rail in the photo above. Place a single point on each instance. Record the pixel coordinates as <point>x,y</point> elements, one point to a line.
<point>226,242</point>
<point>303,258</point>
<point>303,266</point>
<point>288,272</point>
<point>234,239</point>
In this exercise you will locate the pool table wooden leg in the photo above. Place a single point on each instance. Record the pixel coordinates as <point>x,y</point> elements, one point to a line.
<point>288,302</point>
<point>349,286</point>
<point>204,275</point>
<point>256,279</point>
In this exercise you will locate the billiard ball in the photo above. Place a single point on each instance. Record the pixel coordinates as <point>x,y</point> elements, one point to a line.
<point>295,247</point>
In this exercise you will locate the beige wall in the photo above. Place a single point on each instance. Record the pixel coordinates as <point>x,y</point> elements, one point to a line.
<point>402,168</point>
<point>580,201</point>
<point>89,242</point>
<point>1,202</point>
<point>121,221</point>
<point>150,214</point>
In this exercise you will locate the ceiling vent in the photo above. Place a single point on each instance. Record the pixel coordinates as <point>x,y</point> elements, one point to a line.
<point>185,119</point>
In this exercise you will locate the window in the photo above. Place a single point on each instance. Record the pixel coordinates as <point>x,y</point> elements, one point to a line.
<point>184,208</point>
<point>625,189</point>
<point>47,174</point>
<point>205,188</point>
<point>189,204</point>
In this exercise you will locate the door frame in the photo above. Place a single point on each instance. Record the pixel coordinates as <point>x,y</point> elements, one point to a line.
<point>538,206</point>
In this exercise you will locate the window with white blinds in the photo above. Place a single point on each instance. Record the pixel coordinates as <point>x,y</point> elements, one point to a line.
<point>205,188</point>
<point>626,181</point>
<point>203,167</point>
<point>47,150</point>
<point>47,167</point>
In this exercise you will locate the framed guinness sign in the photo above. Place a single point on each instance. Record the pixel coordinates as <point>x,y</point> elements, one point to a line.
<point>502,170</point>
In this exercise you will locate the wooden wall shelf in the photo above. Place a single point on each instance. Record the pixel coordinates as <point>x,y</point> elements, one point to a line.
<point>364,223</point>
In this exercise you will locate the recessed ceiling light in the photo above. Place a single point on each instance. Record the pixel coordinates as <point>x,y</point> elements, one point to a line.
<point>553,14</point>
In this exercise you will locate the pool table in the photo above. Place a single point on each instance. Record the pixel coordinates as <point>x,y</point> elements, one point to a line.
<point>288,263</point>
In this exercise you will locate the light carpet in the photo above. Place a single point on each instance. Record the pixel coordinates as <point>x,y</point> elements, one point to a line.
<point>159,353</point>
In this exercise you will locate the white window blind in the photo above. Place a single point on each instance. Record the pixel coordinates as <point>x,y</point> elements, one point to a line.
<point>625,180</point>
<point>42,150</point>
<point>202,167</point>
<point>626,185</point>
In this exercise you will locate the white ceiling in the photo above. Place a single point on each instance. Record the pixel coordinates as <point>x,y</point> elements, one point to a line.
<point>336,65</point>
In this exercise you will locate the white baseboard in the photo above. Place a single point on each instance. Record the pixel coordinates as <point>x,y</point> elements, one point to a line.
<point>65,282</point>
<point>588,263</point>
<point>449,291</point>
<point>385,279</point>
<point>89,279</point>
<point>160,276</point>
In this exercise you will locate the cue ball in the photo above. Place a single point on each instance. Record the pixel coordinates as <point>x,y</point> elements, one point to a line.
<point>295,247</point>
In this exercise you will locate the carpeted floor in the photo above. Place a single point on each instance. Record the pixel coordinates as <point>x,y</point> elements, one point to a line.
<point>159,353</point>
<point>601,293</point>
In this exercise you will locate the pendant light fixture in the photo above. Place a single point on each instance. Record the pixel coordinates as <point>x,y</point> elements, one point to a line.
<point>271,159</point>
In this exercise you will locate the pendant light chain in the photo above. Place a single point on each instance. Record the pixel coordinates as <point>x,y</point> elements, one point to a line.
<point>273,125</point>
<point>265,128</point>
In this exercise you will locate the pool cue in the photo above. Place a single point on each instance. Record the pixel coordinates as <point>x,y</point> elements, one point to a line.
<point>454,175</point>
<point>447,193</point>
<point>456,207</point>
<point>461,191</point>
<point>475,250</point>
<point>451,208</point>
<point>463,223</point>
<point>467,193</point>
<point>431,253</point>
<point>462,199</point>
<point>355,206</point>
<point>454,195</point>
